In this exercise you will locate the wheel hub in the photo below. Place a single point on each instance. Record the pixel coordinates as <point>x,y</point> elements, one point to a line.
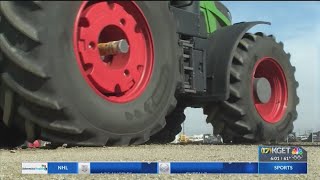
<point>114,49</point>
<point>262,89</point>
<point>269,89</point>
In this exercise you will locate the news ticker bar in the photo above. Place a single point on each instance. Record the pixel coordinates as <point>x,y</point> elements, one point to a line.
<point>164,167</point>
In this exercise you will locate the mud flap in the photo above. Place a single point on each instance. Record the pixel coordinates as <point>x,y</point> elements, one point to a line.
<point>221,46</point>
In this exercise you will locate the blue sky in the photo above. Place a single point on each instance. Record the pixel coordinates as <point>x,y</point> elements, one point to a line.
<point>297,25</point>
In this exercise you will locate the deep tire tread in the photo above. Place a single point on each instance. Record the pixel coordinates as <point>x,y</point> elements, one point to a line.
<point>8,106</point>
<point>226,117</point>
<point>20,58</point>
<point>8,8</point>
<point>172,127</point>
<point>233,108</point>
<point>32,97</point>
<point>60,126</point>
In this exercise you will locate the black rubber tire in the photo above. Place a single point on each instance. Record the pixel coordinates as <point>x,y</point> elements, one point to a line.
<point>172,128</point>
<point>46,95</point>
<point>236,119</point>
<point>10,137</point>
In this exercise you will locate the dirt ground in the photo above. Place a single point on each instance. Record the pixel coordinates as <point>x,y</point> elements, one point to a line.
<point>10,161</point>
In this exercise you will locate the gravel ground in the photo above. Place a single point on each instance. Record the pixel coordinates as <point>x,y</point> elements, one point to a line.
<point>10,161</point>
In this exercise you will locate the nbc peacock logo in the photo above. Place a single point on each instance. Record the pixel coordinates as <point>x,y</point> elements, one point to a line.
<point>297,151</point>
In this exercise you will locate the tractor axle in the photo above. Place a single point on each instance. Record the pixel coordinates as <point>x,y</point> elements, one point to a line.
<point>113,47</point>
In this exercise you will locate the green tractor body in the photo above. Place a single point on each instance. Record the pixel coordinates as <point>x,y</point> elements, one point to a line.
<point>214,17</point>
<point>122,72</point>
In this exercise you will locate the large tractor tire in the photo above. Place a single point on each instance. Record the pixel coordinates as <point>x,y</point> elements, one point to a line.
<point>10,137</point>
<point>58,88</point>
<point>173,127</point>
<point>263,96</point>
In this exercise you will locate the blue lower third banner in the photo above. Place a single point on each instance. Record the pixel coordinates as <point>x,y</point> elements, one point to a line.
<point>172,167</point>
<point>283,168</point>
<point>165,168</point>
<point>213,167</point>
<point>62,168</point>
<point>124,167</point>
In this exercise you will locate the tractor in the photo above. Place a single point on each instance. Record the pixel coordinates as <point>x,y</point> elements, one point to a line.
<point>95,73</point>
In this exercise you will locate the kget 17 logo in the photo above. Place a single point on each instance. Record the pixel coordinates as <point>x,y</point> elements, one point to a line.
<point>265,150</point>
<point>275,150</point>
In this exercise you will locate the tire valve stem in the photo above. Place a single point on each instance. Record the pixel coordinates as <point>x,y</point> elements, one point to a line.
<point>113,47</point>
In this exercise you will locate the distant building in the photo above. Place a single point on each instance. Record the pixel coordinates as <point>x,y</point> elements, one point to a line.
<point>316,136</point>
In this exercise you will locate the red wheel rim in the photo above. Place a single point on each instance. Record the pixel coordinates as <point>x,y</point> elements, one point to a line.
<point>122,77</point>
<point>274,109</point>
